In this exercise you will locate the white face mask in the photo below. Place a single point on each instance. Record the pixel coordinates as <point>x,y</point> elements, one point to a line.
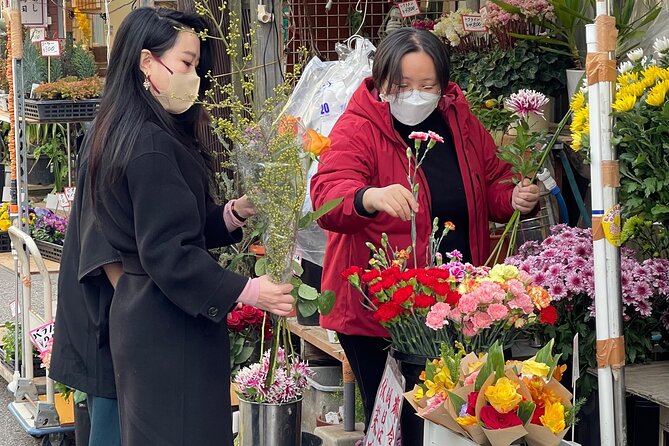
<point>412,107</point>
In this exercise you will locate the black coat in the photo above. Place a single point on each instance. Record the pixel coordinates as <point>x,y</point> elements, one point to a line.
<point>169,339</point>
<point>80,356</point>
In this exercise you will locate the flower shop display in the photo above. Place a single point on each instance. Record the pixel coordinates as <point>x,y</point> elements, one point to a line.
<point>450,29</point>
<point>640,111</point>
<point>48,229</point>
<point>563,263</point>
<point>526,17</point>
<point>245,328</point>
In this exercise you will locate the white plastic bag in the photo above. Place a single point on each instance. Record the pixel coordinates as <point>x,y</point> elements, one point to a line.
<point>319,99</point>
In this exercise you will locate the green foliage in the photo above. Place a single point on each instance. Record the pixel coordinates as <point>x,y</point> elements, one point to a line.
<point>524,153</point>
<point>490,111</point>
<point>56,68</point>
<point>642,140</point>
<point>34,65</point>
<point>649,239</point>
<point>631,28</point>
<point>8,344</point>
<point>525,410</point>
<point>83,63</point>
<point>502,72</point>
<point>570,418</point>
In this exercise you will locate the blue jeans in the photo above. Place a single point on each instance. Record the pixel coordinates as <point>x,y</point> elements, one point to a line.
<point>105,430</point>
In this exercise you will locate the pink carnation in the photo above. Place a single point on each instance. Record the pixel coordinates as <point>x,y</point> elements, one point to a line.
<point>468,329</point>
<point>471,379</point>
<point>419,135</point>
<point>482,320</point>
<point>435,136</point>
<point>498,311</point>
<point>438,316</point>
<point>522,302</point>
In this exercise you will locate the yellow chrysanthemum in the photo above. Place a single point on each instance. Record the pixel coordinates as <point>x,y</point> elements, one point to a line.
<point>469,420</point>
<point>628,78</point>
<point>4,225</point>
<point>636,89</point>
<point>624,103</point>
<point>553,417</point>
<point>664,74</point>
<point>580,119</point>
<point>578,101</point>
<point>658,94</point>
<point>503,395</point>
<point>576,141</point>
<point>651,73</point>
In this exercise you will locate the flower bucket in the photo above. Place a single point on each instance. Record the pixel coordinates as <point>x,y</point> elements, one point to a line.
<point>270,424</point>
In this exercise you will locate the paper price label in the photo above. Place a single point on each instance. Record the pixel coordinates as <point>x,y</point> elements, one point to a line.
<point>13,307</point>
<point>70,192</point>
<point>385,422</point>
<point>473,24</point>
<point>41,336</point>
<point>409,9</point>
<point>37,34</point>
<point>50,48</point>
<point>62,200</point>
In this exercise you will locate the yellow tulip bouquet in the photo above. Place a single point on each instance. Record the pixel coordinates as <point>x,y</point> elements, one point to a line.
<point>640,132</point>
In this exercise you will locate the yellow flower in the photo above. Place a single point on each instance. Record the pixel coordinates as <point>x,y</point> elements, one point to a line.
<point>503,395</point>
<point>553,417</point>
<point>651,74</point>
<point>534,368</point>
<point>636,89</point>
<point>578,101</point>
<point>576,142</point>
<point>664,74</point>
<point>490,103</point>
<point>442,382</point>
<point>4,225</point>
<point>474,366</point>
<point>628,78</point>
<point>469,420</point>
<point>316,143</point>
<point>624,103</point>
<point>501,273</point>
<point>657,94</point>
<point>419,394</point>
<point>580,119</point>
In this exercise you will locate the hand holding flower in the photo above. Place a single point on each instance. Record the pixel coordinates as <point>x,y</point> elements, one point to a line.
<point>525,197</point>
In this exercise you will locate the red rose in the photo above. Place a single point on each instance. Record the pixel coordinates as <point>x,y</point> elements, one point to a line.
<point>235,322</point>
<point>495,420</point>
<point>388,282</point>
<point>538,412</point>
<point>471,403</point>
<point>251,314</point>
<point>548,315</point>
<point>403,294</point>
<point>370,275</point>
<point>354,270</point>
<point>424,301</point>
<point>390,272</point>
<point>452,298</point>
<point>388,312</point>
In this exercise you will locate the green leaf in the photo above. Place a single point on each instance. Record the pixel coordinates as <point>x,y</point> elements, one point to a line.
<point>312,216</point>
<point>456,401</point>
<point>307,307</point>
<point>79,396</point>
<point>297,268</point>
<point>326,302</point>
<point>430,370</point>
<point>245,355</point>
<point>525,411</point>
<point>307,292</point>
<point>260,267</point>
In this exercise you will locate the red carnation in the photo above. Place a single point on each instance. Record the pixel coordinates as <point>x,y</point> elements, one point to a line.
<point>424,301</point>
<point>403,294</point>
<point>408,275</point>
<point>538,412</point>
<point>441,288</point>
<point>452,298</point>
<point>388,282</point>
<point>370,275</point>
<point>548,315</point>
<point>388,312</point>
<point>495,420</point>
<point>348,272</point>
<point>376,287</point>
<point>440,273</point>
<point>471,403</point>
<point>426,280</point>
<point>390,272</point>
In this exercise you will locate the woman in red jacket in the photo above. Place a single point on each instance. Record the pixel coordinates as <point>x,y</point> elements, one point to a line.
<point>460,181</point>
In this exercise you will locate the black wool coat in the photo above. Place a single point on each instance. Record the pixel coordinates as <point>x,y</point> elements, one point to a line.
<point>169,339</point>
<point>80,355</point>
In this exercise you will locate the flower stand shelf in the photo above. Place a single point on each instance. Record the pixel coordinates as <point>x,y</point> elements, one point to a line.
<point>61,110</point>
<point>49,251</point>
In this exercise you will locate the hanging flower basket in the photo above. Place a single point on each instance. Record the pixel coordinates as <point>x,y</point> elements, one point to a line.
<point>61,110</point>
<point>49,251</point>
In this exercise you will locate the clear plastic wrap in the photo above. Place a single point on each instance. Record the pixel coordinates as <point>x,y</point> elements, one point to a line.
<point>659,29</point>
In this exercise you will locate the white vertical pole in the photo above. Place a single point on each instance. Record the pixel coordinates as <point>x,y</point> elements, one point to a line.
<point>604,377</point>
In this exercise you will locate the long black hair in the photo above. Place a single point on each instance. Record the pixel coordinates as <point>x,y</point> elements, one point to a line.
<point>126,104</point>
<point>387,67</point>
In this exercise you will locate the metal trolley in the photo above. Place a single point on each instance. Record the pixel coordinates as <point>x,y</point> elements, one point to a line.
<point>38,418</point>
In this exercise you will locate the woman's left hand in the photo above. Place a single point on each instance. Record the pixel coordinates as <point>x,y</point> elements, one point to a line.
<point>244,208</point>
<point>525,196</point>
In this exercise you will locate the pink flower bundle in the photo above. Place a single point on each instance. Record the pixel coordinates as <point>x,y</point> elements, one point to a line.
<point>497,16</point>
<point>290,380</point>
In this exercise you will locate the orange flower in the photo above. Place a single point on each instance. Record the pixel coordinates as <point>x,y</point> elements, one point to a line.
<point>540,395</point>
<point>316,143</point>
<point>403,254</point>
<point>559,370</point>
<point>449,225</point>
<point>540,296</point>
<point>287,124</point>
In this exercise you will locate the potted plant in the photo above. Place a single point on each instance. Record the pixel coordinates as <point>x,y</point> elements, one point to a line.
<point>48,230</point>
<point>68,99</point>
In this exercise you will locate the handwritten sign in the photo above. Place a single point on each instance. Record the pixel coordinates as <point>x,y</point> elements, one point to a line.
<point>41,336</point>
<point>409,9</point>
<point>473,24</point>
<point>33,12</point>
<point>70,192</point>
<point>13,307</point>
<point>385,423</point>
<point>50,48</point>
<point>37,34</point>
<point>62,200</point>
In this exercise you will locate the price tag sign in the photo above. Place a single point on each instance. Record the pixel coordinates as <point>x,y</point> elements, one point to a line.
<point>62,200</point>
<point>69,193</point>
<point>41,336</point>
<point>13,307</point>
<point>384,426</point>
<point>50,48</point>
<point>409,9</point>
<point>473,24</point>
<point>37,34</point>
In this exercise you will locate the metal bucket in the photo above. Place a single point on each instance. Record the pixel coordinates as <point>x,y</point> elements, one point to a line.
<point>270,424</point>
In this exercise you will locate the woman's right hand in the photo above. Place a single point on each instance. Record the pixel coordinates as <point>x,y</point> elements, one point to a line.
<point>275,298</point>
<point>395,200</point>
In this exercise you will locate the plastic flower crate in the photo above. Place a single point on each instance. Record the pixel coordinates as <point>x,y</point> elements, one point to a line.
<point>61,110</point>
<point>49,251</point>
<point>5,242</point>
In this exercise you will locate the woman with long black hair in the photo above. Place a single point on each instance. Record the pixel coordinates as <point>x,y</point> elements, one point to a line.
<point>150,192</point>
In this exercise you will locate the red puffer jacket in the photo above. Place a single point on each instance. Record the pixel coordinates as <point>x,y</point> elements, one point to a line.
<point>367,151</point>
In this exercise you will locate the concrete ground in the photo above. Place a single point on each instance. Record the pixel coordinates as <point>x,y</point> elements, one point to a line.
<point>11,433</point>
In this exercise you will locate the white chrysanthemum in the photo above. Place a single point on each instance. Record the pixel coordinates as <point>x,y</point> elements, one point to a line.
<point>625,67</point>
<point>661,46</point>
<point>635,55</point>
